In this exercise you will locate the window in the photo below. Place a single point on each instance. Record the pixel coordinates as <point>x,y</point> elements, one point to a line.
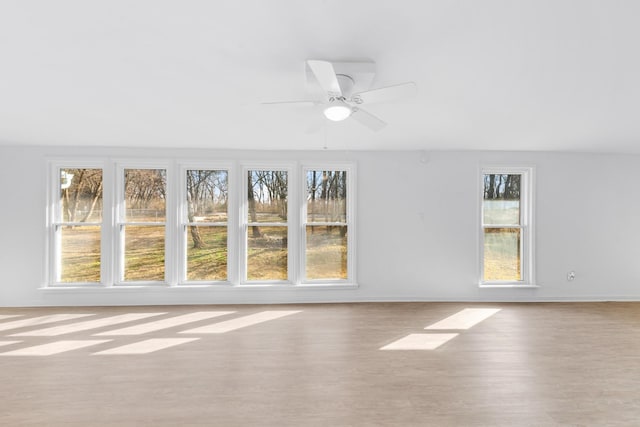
<point>325,225</point>
<point>137,223</point>
<point>204,228</point>
<point>506,248</point>
<point>266,228</point>
<point>141,224</point>
<point>77,225</point>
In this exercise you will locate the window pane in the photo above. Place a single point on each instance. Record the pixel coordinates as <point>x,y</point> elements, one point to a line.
<point>502,254</point>
<point>80,254</point>
<point>206,253</point>
<point>501,199</point>
<point>326,196</point>
<point>145,195</point>
<point>207,195</point>
<point>326,254</point>
<point>267,253</point>
<point>143,252</point>
<point>80,195</point>
<point>267,196</point>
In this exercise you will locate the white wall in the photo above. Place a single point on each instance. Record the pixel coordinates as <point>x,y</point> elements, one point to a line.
<point>417,235</point>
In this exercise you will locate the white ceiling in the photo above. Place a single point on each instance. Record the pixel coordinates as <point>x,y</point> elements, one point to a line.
<point>491,75</point>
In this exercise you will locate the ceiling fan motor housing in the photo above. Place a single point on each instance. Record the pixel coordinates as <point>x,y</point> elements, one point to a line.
<point>353,77</point>
<point>346,85</point>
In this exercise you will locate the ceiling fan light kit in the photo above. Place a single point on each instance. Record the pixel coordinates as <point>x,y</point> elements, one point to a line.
<point>339,101</point>
<point>337,110</point>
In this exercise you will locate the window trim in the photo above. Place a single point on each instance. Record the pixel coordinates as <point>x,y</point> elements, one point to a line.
<point>53,223</point>
<point>182,223</point>
<point>119,221</point>
<point>350,168</point>
<point>291,224</point>
<point>527,226</point>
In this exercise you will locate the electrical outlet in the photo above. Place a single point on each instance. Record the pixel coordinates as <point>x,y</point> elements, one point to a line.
<point>571,276</point>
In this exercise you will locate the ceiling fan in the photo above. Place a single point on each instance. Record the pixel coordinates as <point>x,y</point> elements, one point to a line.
<point>339,103</point>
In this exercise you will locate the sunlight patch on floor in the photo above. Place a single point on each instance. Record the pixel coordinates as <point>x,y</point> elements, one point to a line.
<point>9,316</point>
<point>41,320</point>
<point>419,342</point>
<point>146,346</point>
<point>53,348</point>
<point>8,342</point>
<point>240,322</point>
<point>464,319</point>
<point>166,323</point>
<point>86,325</point>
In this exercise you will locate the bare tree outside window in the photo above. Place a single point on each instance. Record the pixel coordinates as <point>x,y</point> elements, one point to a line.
<point>207,202</point>
<point>326,225</point>
<point>267,211</point>
<point>145,197</point>
<point>80,226</point>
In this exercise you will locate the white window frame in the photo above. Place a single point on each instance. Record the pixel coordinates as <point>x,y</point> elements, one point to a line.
<point>350,168</point>
<point>120,222</point>
<point>527,267</point>
<point>291,224</point>
<point>113,220</point>
<point>231,224</point>
<point>55,223</point>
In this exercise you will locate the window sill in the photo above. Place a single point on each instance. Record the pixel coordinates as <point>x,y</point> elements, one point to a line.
<point>191,287</point>
<point>290,286</point>
<point>327,286</point>
<point>509,285</point>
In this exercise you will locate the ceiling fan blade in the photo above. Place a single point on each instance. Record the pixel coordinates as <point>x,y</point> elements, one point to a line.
<point>385,94</point>
<point>326,76</point>
<point>367,119</point>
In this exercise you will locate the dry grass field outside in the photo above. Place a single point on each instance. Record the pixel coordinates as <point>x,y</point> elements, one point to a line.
<point>501,220</point>
<point>208,263</point>
<point>267,254</point>
<point>80,254</point>
<point>145,258</point>
<point>144,253</point>
<point>502,254</point>
<point>326,257</point>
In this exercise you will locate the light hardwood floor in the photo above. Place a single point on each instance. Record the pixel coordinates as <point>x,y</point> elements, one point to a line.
<point>537,364</point>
